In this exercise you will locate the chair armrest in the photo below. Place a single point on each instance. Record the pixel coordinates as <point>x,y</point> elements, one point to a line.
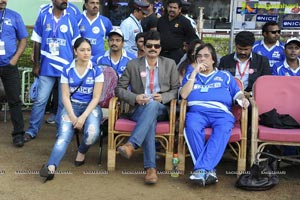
<point>172,115</point>
<point>113,112</point>
<point>182,114</point>
<point>254,119</point>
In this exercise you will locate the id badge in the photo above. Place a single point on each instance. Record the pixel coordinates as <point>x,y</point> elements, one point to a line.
<point>204,89</point>
<point>2,48</point>
<point>54,48</point>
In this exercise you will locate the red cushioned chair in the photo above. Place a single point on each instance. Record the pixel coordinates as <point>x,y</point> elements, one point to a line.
<point>237,141</point>
<point>120,129</point>
<point>282,93</point>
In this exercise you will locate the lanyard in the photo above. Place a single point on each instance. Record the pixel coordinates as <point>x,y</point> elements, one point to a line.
<point>205,82</point>
<point>139,26</point>
<point>245,69</point>
<point>1,22</point>
<point>55,25</point>
<point>151,80</point>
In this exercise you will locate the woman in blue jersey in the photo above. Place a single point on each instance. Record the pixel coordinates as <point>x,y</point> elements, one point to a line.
<point>81,90</point>
<point>210,94</point>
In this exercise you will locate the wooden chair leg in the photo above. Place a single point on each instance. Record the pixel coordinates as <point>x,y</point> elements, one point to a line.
<point>111,159</point>
<point>168,161</point>
<point>181,166</point>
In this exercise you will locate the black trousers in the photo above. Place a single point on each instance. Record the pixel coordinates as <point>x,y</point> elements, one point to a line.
<point>12,85</point>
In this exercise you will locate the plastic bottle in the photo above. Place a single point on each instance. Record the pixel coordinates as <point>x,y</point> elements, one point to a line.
<point>175,163</point>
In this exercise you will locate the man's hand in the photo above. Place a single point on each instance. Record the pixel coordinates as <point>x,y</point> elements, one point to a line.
<point>142,99</point>
<point>36,70</point>
<point>157,97</point>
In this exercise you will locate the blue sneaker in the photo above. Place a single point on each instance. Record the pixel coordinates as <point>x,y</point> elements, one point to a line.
<point>198,177</point>
<point>211,177</point>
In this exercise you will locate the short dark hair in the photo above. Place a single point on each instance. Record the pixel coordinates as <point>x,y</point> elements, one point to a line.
<point>151,35</point>
<point>212,51</point>
<point>139,35</point>
<point>179,3</point>
<point>244,39</point>
<point>267,24</point>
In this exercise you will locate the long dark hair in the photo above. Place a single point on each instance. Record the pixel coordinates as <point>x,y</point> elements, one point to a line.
<point>190,56</point>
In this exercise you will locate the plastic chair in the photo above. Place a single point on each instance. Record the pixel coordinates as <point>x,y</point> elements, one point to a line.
<point>237,141</point>
<point>120,129</point>
<point>281,93</point>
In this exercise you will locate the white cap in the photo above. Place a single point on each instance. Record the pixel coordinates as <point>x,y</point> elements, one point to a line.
<point>294,40</point>
<point>116,31</point>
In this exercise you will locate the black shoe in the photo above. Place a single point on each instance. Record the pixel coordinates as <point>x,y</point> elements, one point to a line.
<point>18,140</point>
<point>45,173</point>
<point>78,163</point>
<point>27,137</point>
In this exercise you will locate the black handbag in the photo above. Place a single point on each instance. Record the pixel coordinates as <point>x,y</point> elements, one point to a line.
<point>262,175</point>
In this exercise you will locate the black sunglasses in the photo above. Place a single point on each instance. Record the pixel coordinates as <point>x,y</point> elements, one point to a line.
<point>274,32</point>
<point>156,46</point>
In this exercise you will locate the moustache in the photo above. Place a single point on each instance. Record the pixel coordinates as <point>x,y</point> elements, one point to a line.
<point>113,46</point>
<point>152,51</point>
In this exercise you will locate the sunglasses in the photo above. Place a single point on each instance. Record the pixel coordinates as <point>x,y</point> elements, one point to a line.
<point>156,46</point>
<point>274,32</point>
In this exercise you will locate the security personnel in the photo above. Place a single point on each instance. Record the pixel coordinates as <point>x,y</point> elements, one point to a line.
<point>174,30</point>
<point>132,25</point>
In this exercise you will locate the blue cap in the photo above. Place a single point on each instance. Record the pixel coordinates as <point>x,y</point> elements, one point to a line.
<point>141,5</point>
<point>33,93</point>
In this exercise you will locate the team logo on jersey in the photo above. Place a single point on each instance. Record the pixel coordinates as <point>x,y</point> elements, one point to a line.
<point>250,71</point>
<point>8,22</point>
<point>287,74</point>
<point>259,52</point>
<point>276,54</point>
<point>82,28</point>
<point>71,80</point>
<point>48,27</point>
<point>63,28</point>
<point>218,78</point>
<point>176,25</point>
<point>123,68</point>
<point>96,30</point>
<point>89,80</point>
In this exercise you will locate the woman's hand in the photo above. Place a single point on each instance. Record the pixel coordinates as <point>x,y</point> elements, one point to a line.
<point>200,67</point>
<point>244,103</point>
<point>79,122</point>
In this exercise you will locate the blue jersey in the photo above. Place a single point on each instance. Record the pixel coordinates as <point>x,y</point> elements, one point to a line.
<point>283,69</point>
<point>274,54</point>
<point>91,76</point>
<point>213,92</point>
<point>71,9</point>
<point>13,29</point>
<point>56,38</point>
<point>119,66</point>
<point>95,31</point>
